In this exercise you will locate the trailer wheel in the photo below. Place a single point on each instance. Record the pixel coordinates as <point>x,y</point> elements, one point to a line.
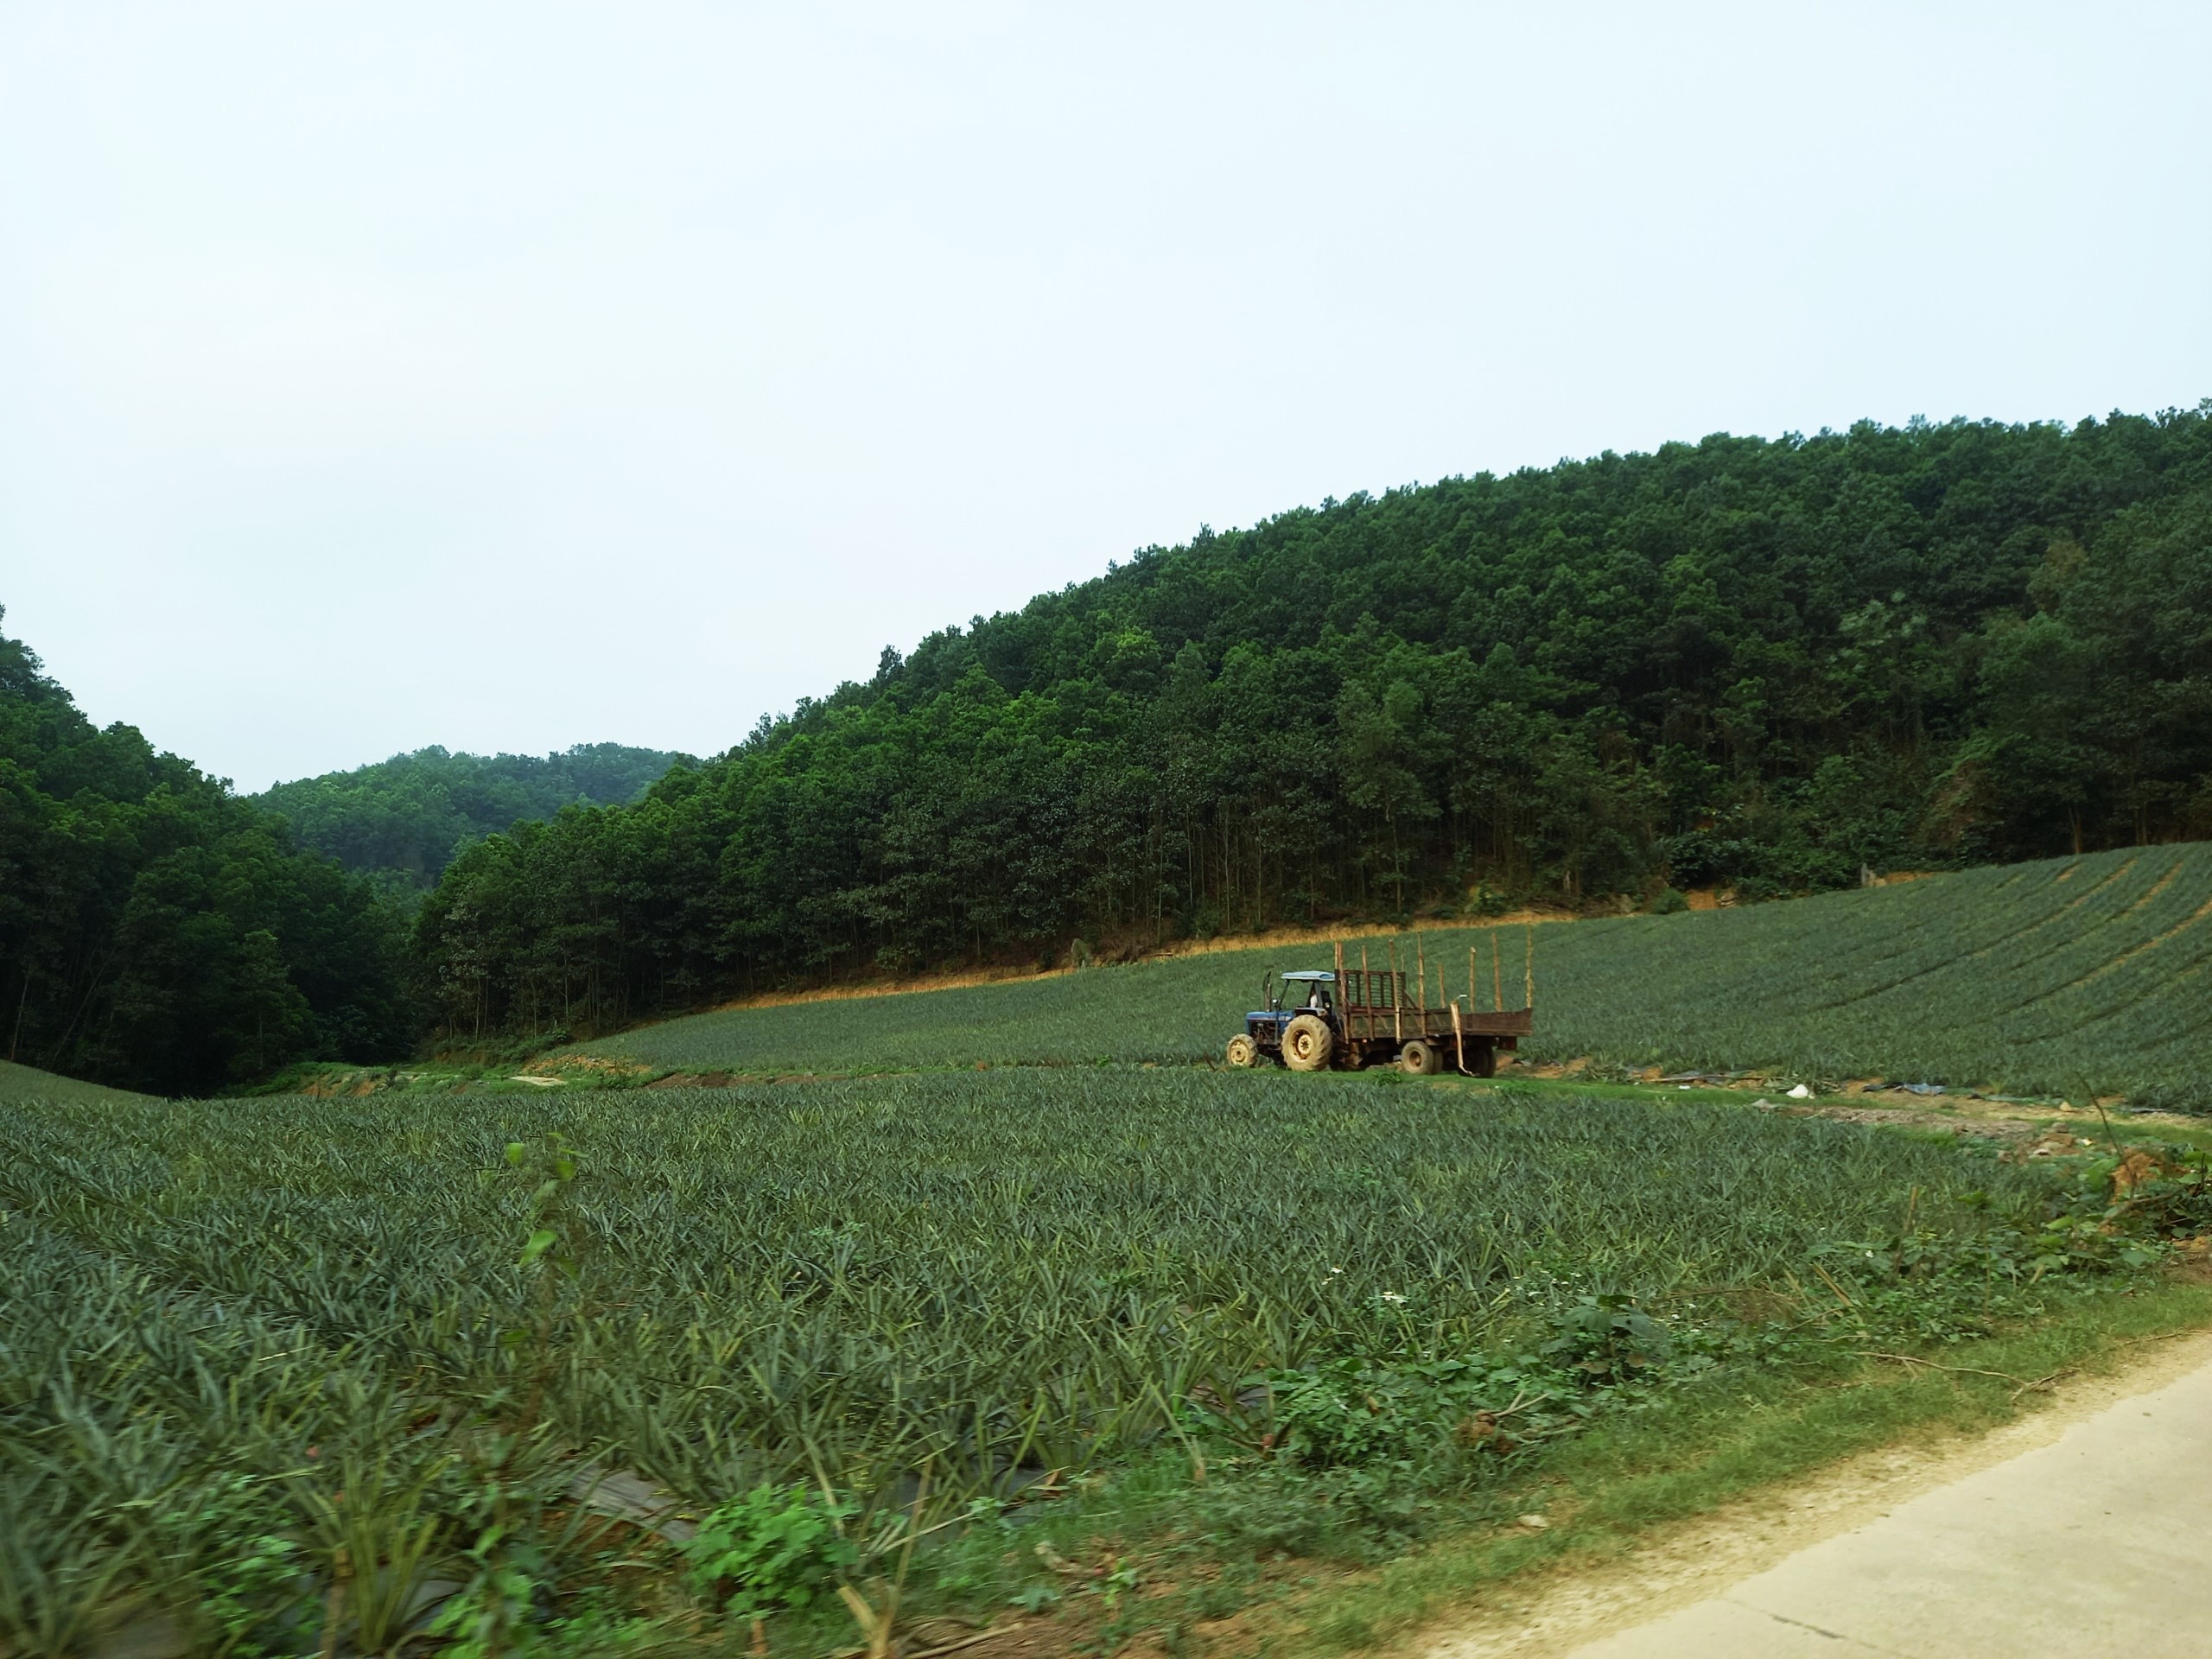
<point>1420,1060</point>
<point>1243,1050</point>
<point>1482,1059</point>
<point>1307,1042</point>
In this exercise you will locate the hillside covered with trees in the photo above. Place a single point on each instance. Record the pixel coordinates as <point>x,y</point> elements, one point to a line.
<point>160,933</point>
<point>403,819</point>
<point>1762,663</point>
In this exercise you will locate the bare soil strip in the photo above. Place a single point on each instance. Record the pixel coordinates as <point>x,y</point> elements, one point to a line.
<point>1273,939</point>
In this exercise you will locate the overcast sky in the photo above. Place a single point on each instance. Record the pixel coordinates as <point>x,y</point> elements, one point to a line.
<point>513,376</point>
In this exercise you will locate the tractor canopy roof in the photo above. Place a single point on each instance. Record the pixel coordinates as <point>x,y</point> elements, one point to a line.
<point>1321,974</point>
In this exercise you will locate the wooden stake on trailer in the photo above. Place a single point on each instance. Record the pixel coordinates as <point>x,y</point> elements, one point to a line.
<point>1421,956</point>
<point>1459,1026</point>
<point>1366,994</point>
<point>1473,1001</point>
<point>1529,991</point>
<point>1397,993</point>
<point>1342,1000</point>
<point>1496,975</point>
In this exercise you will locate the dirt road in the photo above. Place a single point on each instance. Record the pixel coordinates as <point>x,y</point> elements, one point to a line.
<point>2079,1532</point>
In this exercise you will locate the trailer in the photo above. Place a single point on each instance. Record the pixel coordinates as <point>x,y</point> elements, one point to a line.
<point>1349,1018</point>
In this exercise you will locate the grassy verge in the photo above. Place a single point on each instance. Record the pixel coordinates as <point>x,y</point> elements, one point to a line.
<point>320,1080</point>
<point>1626,1479</point>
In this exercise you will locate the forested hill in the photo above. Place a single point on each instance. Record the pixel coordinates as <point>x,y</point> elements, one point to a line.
<point>1739,661</point>
<point>158,932</point>
<point>403,818</point>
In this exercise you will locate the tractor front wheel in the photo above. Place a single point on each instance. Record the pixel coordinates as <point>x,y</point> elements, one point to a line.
<point>1307,1042</point>
<point>1419,1060</point>
<point>1242,1051</point>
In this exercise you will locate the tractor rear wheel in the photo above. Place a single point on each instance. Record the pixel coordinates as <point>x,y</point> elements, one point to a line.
<point>1482,1059</point>
<point>1419,1060</point>
<point>1307,1042</point>
<point>1243,1050</point>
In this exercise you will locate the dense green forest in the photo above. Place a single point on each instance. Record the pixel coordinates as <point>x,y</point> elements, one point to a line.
<point>1762,663</point>
<point>1742,662</point>
<point>403,819</point>
<point>158,932</point>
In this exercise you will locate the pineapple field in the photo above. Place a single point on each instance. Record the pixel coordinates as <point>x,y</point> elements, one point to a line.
<point>2052,978</point>
<point>287,1374</point>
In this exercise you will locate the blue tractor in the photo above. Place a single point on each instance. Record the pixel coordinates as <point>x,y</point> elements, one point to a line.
<point>1303,1035</point>
<point>1352,1017</point>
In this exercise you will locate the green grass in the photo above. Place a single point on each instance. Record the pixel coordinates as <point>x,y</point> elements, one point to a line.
<point>2037,979</point>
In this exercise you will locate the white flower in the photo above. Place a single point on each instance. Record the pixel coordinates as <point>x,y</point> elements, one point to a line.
<point>1392,1296</point>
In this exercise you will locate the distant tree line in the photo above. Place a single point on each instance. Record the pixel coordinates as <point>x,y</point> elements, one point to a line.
<point>403,819</point>
<point>1757,664</point>
<point>160,933</point>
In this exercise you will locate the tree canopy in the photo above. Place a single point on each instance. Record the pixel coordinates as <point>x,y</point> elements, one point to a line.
<point>403,819</point>
<point>1763,664</point>
<point>158,932</point>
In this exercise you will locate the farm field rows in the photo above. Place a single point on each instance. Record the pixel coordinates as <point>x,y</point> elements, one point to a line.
<point>2042,978</point>
<point>27,1082</point>
<point>220,1314</point>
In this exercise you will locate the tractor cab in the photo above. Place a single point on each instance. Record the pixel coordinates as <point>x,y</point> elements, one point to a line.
<point>1303,990</point>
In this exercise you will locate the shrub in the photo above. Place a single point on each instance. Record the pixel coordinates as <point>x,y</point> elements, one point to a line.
<point>775,1547</point>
